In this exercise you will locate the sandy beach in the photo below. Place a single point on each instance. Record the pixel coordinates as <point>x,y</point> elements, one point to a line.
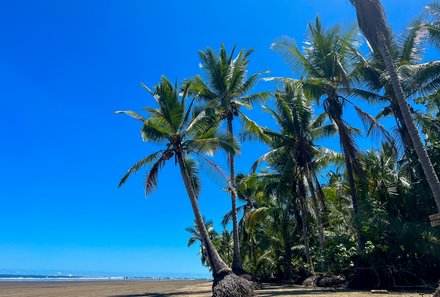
<point>162,288</point>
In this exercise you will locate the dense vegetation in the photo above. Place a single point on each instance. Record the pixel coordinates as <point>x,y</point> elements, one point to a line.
<point>306,209</point>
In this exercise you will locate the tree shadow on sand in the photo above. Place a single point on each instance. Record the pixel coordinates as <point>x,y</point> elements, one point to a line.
<point>180,293</point>
<point>270,291</point>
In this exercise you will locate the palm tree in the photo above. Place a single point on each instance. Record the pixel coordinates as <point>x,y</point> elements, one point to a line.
<point>325,67</point>
<point>250,189</point>
<point>272,230</point>
<point>294,153</point>
<point>417,78</point>
<point>373,23</point>
<point>184,134</point>
<point>225,244</point>
<point>226,89</point>
<point>196,237</point>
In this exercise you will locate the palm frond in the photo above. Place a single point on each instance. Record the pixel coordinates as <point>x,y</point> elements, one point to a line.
<point>132,114</point>
<point>152,176</point>
<point>374,126</point>
<point>192,172</point>
<point>154,130</point>
<point>202,124</point>
<point>145,161</point>
<point>288,49</point>
<point>318,120</point>
<point>253,128</point>
<point>385,112</point>
<point>271,154</point>
<point>368,96</point>
<point>323,132</point>
<point>255,98</point>
<point>411,43</point>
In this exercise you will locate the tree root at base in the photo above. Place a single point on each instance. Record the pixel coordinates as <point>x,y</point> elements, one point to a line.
<point>231,285</point>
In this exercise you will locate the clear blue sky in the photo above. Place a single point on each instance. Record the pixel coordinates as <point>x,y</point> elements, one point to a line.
<point>65,67</point>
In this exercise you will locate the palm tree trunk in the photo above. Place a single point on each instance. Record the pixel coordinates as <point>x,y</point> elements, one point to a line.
<point>236,261</point>
<point>353,191</point>
<point>321,196</point>
<point>406,139</point>
<point>287,250</point>
<point>216,263</point>
<point>421,152</point>
<point>303,207</point>
<point>373,23</point>
<point>355,201</point>
<point>317,215</point>
<point>315,209</point>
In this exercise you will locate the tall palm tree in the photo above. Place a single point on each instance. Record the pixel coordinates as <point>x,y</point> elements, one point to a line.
<point>325,66</point>
<point>226,90</point>
<point>373,23</point>
<point>184,133</point>
<point>295,142</point>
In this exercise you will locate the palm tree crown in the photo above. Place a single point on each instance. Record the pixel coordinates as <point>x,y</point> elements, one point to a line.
<point>183,131</point>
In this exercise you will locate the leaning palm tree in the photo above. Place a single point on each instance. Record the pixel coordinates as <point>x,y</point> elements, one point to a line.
<point>373,23</point>
<point>418,78</point>
<point>226,90</point>
<point>185,133</point>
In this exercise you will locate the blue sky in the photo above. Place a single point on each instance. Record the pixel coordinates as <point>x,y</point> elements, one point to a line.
<point>65,67</point>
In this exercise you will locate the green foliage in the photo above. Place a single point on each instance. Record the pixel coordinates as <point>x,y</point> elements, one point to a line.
<point>306,209</point>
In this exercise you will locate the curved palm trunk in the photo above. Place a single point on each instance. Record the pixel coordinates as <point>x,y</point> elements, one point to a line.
<point>236,261</point>
<point>406,139</point>
<point>403,130</point>
<point>216,263</point>
<point>421,152</point>
<point>373,23</point>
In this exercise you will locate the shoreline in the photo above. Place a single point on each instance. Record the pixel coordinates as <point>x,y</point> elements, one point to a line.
<point>92,279</point>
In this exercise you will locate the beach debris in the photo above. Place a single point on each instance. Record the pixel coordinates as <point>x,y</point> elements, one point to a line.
<point>379,292</point>
<point>310,281</point>
<point>334,281</point>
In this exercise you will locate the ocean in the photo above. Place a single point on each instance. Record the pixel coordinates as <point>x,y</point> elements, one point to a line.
<point>70,277</point>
